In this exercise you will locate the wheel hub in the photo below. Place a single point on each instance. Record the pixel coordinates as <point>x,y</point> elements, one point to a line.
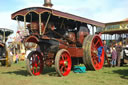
<point>65,63</point>
<point>95,52</point>
<point>35,65</point>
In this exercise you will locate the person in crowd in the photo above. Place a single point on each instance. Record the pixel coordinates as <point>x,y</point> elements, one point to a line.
<point>126,50</point>
<point>114,57</point>
<point>105,46</point>
<point>119,49</point>
<point>99,53</point>
<point>17,58</point>
<point>105,49</point>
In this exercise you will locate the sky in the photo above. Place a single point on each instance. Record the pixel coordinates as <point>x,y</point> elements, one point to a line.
<point>98,10</point>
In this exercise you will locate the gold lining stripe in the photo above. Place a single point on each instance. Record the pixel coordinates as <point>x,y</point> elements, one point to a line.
<point>31,11</point>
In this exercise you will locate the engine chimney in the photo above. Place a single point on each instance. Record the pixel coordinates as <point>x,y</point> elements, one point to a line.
<point>47,3</point>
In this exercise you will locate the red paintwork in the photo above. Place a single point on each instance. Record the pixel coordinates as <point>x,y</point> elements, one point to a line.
<point>81,35</point>
<point>75,52</point>
<point>65,58</point>
<point>49,61</point>
<point>32,39</point>
<point>97,65</point>
<point>36,65</point>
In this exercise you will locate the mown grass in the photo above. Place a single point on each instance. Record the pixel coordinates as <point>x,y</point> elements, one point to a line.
<point>17,75</point>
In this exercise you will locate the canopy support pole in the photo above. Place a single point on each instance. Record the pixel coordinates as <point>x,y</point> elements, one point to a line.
<point>40,31</point>
<point>46,23</point>
<point>24,22</point>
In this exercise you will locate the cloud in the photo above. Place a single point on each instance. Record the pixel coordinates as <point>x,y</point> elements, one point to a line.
<point>112,15</point>
<point>103,10</point>
<point>99,10</point>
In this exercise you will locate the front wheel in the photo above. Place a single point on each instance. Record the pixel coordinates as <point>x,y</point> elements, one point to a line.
<point>63,62</point>
<point>34,63</point>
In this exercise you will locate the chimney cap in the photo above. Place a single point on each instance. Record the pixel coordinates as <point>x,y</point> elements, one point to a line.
<point>47,3</point>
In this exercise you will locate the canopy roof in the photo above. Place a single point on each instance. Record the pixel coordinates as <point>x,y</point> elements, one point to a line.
<point>120,27</point>
<point>41,10</point>
<point>115,32</point>
<point>7,31</point>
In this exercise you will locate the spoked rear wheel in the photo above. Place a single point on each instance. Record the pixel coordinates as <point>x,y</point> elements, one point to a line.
<point>35,63</point>
<point>91,58</point>
<point>63,62</point>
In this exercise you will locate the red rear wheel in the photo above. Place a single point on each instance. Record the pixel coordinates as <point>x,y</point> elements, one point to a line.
<point>63,62</point>
<point>34,63</point>
<point>91,58</point>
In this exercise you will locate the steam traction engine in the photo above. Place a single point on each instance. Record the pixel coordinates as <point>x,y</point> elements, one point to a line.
<point>5,57</point>
<point>62,40</point>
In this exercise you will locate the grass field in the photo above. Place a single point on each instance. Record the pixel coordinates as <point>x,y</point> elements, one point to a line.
<point>17,75</point>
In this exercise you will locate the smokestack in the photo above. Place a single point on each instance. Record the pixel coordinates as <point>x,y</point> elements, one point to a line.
<point>47,3</point>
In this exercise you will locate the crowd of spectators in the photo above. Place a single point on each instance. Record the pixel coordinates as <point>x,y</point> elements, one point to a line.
<point>117,51</point>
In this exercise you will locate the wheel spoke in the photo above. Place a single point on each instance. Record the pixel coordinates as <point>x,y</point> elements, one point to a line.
<point>66,56</point>
<point>33,60</point>
<point>96,62</point>
<point>97,43</point>
<point>38,64</point>
<point>93,45</point>
<point>65,69</point>
<point>61,62</point>
<point>93,57</point>
<point>68,60</point>
<point>32,68</point>
<point>62,57</point>
<point>92,48</point>
<point>61,68</point>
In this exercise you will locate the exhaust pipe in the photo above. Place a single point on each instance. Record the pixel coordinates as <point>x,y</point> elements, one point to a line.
<point>47,3</point>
